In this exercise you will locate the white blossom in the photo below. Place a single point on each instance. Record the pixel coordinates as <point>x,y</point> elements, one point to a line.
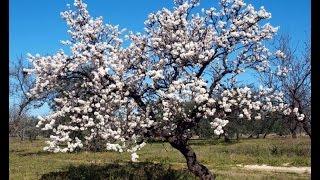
<point>172,73</point>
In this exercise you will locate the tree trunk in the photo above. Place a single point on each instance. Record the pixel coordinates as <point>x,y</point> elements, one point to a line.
<point>293,129</point>
<point>268,129</point>
<point>30,138</point>
<point>294,134</point>
<point>226,138</point>
<point>265,134</point>
<point>306,129</point>
<point>193,165</point>
<point>21,134</point>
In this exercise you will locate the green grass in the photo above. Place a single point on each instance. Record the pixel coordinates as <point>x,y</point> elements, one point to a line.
<point>28,161</point>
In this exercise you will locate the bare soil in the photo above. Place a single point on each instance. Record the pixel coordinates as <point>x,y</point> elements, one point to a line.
<point>291,169</point>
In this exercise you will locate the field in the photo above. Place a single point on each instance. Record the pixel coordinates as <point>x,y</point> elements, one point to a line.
<point>160,161</point>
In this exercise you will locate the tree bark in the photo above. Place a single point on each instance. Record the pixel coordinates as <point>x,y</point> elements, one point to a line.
<point>306,129</point>
<point>294,134</point>
<point>193,165</point>
<point>293,131</point>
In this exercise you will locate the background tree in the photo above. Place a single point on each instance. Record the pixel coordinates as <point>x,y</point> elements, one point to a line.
<point>20,85</point>
<point>126,96</point>
<point>294,82</point>
<point>21,124</point>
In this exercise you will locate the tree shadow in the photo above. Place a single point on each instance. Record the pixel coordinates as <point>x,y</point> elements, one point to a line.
<point>127,171</point>
<point>16,151</point>
<point>38,153</point>
<point>201,142</point>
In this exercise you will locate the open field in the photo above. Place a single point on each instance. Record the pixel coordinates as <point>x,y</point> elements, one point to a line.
<point>28,161</point>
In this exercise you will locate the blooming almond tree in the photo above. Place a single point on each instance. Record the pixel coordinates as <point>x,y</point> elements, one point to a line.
<point>127,95</point>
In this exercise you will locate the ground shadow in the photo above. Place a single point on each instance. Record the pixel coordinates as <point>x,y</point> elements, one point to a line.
<point>38,153</point>
<point>142,170</point>
<point>200,142</point>
<point>16,151</point>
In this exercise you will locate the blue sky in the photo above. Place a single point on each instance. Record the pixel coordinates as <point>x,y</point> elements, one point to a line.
<point>36,26</point>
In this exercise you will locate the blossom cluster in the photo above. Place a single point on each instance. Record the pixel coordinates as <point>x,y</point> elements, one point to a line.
<point>171,75</point>
<point>243,103</point>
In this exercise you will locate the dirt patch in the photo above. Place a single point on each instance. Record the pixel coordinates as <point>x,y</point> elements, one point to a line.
<point>277,168</point>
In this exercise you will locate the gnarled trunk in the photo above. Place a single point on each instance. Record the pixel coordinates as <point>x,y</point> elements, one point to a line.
<point>193,165</point>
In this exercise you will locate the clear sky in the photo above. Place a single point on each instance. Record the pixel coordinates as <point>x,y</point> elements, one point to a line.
<point>35,26</point>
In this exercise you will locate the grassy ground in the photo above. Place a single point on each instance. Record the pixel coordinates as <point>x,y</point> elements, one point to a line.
<point>28,161</point>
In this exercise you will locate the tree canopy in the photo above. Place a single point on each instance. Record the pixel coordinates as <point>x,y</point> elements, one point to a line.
<point>126,95</point>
